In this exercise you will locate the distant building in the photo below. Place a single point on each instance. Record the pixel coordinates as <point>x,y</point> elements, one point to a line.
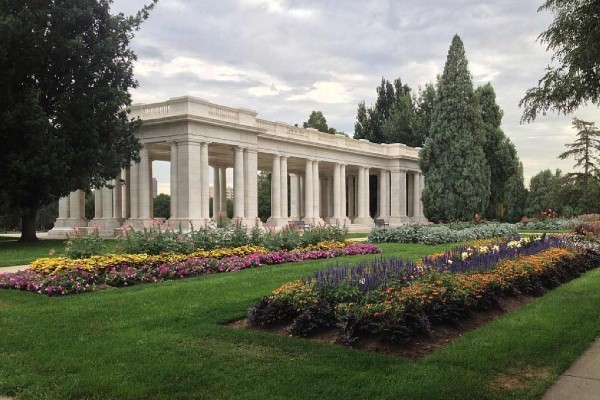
<point>154,188</point>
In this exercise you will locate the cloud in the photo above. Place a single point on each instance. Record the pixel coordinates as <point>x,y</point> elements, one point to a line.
<point>286,58</point>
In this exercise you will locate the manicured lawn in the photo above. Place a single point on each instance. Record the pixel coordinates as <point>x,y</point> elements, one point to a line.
<point>356,235</point>
<point>13,252</point>
<point>166,341</point>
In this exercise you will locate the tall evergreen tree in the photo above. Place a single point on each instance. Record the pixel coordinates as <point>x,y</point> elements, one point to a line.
<point>500,153</point>
<point>516,195</point>
<point>457,176</point>
<point>584,151</point>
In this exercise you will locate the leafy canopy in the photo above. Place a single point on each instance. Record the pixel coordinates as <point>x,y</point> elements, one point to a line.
<point>573,36</point>
<point>65,72</point>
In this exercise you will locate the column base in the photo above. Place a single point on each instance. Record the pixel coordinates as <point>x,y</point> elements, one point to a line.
<point>395,221</point>
<point>363,221</point>
<point>340,221</point>
<point>106,223</point>
<point>185,224</point>
<point>278,221</point>
<point>60,232</point>
<point>419,220</point>
<point>314,221</point>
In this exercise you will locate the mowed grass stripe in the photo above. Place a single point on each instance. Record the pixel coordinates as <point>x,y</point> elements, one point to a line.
<point>165,341</point>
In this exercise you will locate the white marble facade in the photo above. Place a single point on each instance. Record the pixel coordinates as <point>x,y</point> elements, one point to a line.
<point>316,177</point>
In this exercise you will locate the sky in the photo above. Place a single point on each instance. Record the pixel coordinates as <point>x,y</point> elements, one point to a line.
<point>286,58</point>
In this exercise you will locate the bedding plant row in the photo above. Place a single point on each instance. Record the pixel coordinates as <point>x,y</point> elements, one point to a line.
<point>61,276</point>
<point>397,300</point>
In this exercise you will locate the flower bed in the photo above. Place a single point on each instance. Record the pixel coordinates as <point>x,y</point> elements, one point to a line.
<point>397,300</point>
<point>63,276</point>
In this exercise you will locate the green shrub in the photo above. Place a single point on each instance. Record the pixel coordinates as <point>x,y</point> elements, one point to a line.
<point>438,234</point>
<point>84,246</point>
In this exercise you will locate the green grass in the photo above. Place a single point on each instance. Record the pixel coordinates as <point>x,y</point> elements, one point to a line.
<point>356,235</point>
<point>12,252</point>
<point>167,341</point>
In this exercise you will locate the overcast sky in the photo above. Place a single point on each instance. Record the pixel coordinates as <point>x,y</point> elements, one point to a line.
<point>286,58</point>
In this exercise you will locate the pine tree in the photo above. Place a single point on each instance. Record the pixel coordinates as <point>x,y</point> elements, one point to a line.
<point>500,153</point>
<point>583,150</point>
<point>516,195</point>
<point>457,175</point>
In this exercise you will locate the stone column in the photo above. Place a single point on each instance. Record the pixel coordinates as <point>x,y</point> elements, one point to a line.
<point>63,214</point>
<point>300,196</point>
<point>77,209</point>
<point>118,199</point>
<point>337,194</point>
<point>134,191</point>
<point>398,206</point>
<point>351,198</point>
<point>174,179</point>
<point>384,212</point>
<point>308,193</point>
<point>363,217</point>
<point>107,204</point>
<point>329,196</point>
<point>284,189</point>
<point>343,195</point>
<point>238,183</point>
<point>204,206</point>
<point>189,210</point>
<point>316,194</point>
<point>223,190</point>
<point>294,198</point>
<point>275,191</point>
<point>145,182</point>
<point>251,187</point>
<point>216,193</point>
<point>127,195</point>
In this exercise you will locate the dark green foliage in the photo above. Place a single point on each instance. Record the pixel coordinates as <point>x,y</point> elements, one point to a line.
<point>269,312</point>
<point>574,79</point>
<point>162,206</point>
<point>457,175</point>
<point>500,153</point>
<point>317,121</point>
<point>544,192</point>
<point>516,195</point>
<point>65,72</point>
<point>316,316</point>
<point>585,152</point>
<point>397,116</point>
<point>264,196</point>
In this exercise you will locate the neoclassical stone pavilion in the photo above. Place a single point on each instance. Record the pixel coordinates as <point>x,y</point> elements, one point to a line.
<point>316,177</point>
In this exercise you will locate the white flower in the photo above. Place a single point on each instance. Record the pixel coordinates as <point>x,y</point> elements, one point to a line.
<point>464,255</point>
<point>362,281</point>
<point>496,248</point>
<point>449,261</point>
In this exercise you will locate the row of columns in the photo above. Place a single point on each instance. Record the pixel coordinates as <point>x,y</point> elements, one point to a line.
<point>308,193</point>
<point>343,198</point>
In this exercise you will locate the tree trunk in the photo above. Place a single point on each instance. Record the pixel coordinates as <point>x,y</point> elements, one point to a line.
<point>28,225</point>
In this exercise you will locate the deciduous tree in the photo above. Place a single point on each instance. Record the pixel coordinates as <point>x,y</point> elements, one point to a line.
<point>574,80</point>
<point>65,72</point>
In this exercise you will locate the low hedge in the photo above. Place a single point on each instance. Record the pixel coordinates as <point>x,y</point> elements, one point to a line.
<point>438,234</point>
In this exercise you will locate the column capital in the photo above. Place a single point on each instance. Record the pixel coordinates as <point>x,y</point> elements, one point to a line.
<point>250,150</point>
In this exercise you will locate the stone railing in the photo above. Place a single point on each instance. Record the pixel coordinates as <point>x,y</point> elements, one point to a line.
<point>195,107</point>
